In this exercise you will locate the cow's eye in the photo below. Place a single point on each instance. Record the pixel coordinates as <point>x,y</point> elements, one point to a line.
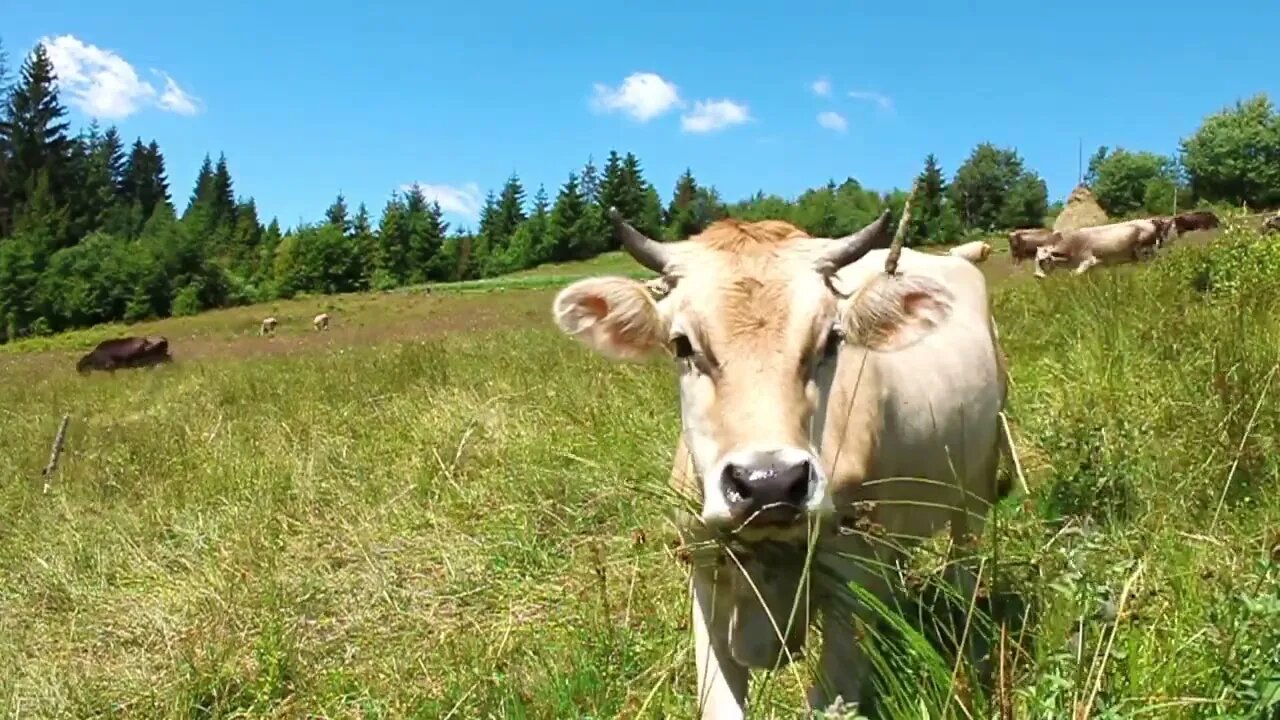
<point>681,346</point>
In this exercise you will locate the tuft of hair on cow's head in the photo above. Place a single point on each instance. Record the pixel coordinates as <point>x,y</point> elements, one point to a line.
<point>755,322</point>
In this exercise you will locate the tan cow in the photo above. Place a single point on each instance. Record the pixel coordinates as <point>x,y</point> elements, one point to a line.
<point>321,322</point>
<point>1110,244</point>
<point>269,325</point>
<point>810,382</point>
<point>1024,242</point>
<point>976,251</point>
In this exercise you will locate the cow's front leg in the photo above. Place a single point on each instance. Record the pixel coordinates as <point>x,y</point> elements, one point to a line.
<point>1038,260</point>
<point>1088,262</point>
<point>722,682</point>
<point>844,667</point>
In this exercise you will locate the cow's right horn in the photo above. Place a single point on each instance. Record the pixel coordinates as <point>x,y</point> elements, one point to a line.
<point>646,251</point>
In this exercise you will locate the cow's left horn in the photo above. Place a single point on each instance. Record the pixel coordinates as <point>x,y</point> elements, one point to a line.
<point>851,247</point>
<point>646,251</point>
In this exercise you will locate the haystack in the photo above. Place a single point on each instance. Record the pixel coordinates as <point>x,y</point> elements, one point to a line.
<point>1081,211</point>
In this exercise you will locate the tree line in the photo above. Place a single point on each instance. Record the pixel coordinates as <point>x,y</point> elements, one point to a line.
<point>90,230</point>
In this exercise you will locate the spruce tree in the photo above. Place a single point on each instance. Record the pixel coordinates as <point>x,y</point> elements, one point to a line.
<point>566,214</point>
<point>391,262</point>
<point>224,200</point>
<point>336,215</point>
<point>32,129</point>
<point>202,192</point>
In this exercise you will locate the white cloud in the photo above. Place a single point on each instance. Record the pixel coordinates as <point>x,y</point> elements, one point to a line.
<point>822,87</point>
<point>175,99</point>
<point>833,121</point>
<point>711,115</point>
<point>103,84</point>
<point>884,101</point>
<point>464,200</point>
<point>642,95</point>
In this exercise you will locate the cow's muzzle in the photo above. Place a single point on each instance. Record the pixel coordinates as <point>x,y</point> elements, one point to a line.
<point>771,488</point>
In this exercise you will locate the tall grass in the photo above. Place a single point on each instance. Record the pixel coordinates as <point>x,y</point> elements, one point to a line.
<point>475,525</point>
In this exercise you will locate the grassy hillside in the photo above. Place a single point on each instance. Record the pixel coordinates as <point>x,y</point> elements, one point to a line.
<point>398,519</point>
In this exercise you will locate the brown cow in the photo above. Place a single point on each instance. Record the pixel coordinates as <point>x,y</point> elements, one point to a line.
<point>1195,220</point>
<point>823,385</point>
<point>1115,243</point>
<point>127,352</point>
<point>1024,242</point>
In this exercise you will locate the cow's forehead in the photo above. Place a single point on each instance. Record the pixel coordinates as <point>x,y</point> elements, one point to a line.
<point>757,297</point>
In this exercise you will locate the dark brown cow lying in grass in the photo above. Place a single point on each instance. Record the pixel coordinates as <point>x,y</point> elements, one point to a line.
<point>127,352</point>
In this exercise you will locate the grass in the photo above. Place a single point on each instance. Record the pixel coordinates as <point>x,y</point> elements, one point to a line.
<point>443,508</point>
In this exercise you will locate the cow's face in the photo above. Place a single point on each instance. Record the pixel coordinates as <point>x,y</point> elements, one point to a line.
<point>756,332</point>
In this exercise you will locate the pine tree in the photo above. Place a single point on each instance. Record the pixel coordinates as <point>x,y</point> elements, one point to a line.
<point>245,238</point>
<point>565,216</point>
<point>423,235</point>
<point>510,207</point>
<point>224,201</point>
<point>336,215</point>
<point>932,219</point>
<point>590,181</point>
<point>391,261</point>
<point>439,267</point>
<point>613,192</point>
<point>5,196</point>
<point>365,242</point>
<point>36,136</point>
<point>202,192</point>
<point>531,245</point>
<point>156,188</point>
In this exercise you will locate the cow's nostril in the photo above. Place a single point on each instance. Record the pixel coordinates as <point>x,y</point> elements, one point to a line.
<point>798,490</point>
<point>736,487</point>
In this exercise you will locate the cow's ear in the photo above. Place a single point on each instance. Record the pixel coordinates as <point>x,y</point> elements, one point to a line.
<point>891,313</point>
<point>614,316</point>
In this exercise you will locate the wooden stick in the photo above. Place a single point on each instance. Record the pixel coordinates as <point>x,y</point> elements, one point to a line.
<point>895,247</point>
<point>55,453</point>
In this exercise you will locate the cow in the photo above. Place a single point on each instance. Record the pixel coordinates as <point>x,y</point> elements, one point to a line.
<point>321,322</point>
<point>1023,243</point>
<point>126,352</point>
<point>824,386</point>
<point>1195,220</point>
<point>1272,224</point>
<point>269,326</point>
<point>976,251</point>
<point>1119,242</point>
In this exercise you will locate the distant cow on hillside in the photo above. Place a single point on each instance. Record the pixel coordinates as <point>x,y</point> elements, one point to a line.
<point>127,352</point>
<point>321,322</point>
<point>269,325</point>
<point>975,251</point>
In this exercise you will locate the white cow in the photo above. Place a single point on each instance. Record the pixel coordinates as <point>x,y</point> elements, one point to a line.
<point>269,325</point>
<point>1115,243</point>
<point>810,382</point>
<point>321,321</point>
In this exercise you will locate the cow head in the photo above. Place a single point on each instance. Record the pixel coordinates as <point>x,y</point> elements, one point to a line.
<point>752,317</point>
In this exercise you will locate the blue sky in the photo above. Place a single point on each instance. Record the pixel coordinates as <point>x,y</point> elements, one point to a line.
<point>308,99</point>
